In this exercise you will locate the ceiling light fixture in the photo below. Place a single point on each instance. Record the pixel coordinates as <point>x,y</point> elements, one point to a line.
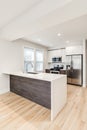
<point>39,40</point>
<point>67,41</point>
<point>59,34</point>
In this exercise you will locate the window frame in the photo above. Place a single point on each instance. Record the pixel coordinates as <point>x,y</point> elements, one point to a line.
<point>39,61</point>
<point>33,61</point>
<point>35,49</point>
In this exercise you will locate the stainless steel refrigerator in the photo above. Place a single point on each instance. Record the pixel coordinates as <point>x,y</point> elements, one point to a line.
<point>74,66</point>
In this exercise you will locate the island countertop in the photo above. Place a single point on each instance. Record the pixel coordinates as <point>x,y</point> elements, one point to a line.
<point>48,90</point>
<point>40,76</point>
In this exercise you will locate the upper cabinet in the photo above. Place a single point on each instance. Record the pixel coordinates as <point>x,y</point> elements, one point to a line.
<point>63,55</point>
<point>63,52</point>
<point>74,50</point>
<point>57,53</point>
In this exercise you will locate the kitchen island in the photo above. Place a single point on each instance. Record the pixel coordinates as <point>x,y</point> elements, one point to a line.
<point>48,90</point>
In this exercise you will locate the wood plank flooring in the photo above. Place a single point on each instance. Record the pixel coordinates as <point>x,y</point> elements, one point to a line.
<point>17,113</point>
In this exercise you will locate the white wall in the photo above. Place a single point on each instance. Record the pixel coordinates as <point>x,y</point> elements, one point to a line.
<point>24,43</point>
<point>11,59</point>
<point>84,63</point>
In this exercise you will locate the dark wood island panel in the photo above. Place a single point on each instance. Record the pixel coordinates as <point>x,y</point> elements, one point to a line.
<point>38,91</point>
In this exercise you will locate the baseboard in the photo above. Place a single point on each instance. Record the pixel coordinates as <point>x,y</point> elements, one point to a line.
<point>3,91</point>
<point>85,85</point>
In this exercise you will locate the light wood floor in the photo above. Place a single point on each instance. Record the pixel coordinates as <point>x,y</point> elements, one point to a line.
<point>17,113</point>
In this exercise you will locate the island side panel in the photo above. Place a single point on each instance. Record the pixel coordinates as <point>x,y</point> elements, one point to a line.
<point>38,91</point>
<point>58,95</point>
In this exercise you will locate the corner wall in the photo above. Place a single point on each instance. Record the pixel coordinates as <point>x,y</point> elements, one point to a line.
<point>12,59</point>
<point>84,63</point>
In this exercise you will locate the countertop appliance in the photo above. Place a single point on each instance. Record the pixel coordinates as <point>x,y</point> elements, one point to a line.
<point>57,59</point>
<point>74,69</point>
<point>56,69</point>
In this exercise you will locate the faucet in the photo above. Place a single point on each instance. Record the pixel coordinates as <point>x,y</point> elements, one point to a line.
<point>27,63</point>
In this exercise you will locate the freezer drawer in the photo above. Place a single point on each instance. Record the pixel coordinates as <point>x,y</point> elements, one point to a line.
<point>76,81</point>
<point>74,77</point>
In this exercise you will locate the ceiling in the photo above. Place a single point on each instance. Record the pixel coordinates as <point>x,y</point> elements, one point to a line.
<point>40,21</point>
<point>67,33</point>
<point>11,9</point>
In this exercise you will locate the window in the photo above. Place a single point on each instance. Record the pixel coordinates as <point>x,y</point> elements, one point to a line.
<point>33,60</point>
<point>28,59</point>
<point>39,60</point>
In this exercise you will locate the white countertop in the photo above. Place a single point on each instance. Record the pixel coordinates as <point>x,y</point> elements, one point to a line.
<point>40,76</point>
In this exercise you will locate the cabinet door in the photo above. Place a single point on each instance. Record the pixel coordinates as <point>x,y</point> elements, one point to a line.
<point>74,50</point>
<point>63,52</point>
<point>50,55</point>
<point>54,53</point>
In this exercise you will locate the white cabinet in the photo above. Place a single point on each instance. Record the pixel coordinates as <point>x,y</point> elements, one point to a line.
<point>63,55</point>
<point>57,53</point>
<point>50,55</point>
<point>74,50</point>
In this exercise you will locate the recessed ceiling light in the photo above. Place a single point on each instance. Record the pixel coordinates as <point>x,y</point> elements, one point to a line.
<point>59,34</point>
<point>67,41</point>
<point>39,40</point>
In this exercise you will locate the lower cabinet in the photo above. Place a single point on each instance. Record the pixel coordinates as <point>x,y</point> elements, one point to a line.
<point>63,72</point>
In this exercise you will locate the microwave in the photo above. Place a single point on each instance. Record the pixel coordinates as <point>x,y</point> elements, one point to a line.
<point>57,59</point>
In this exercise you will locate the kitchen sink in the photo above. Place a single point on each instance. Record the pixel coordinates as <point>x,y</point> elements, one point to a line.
<point>32,73</point>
